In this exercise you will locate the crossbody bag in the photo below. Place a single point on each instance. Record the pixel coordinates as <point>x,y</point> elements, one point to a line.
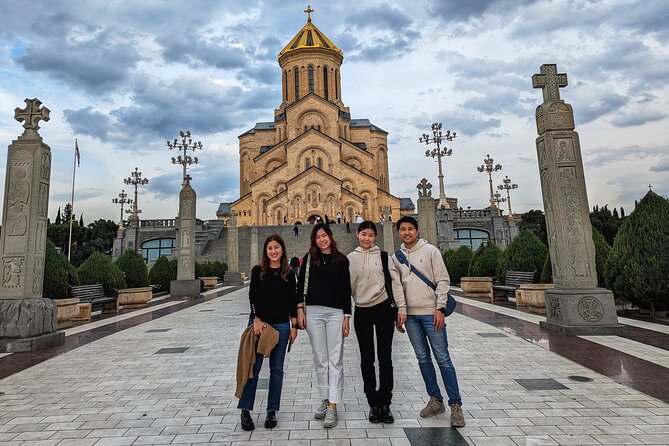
<point>388,281</point>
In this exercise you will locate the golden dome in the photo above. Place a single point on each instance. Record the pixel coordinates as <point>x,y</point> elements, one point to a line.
<point>310,37</point>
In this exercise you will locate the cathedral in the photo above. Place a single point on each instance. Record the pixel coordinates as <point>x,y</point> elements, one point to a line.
<point>313,161</point>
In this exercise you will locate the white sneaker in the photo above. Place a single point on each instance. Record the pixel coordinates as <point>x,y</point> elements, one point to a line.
<point>320,412</point>
<point>330,418</point>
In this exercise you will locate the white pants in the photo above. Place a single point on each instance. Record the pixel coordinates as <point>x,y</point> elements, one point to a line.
<point>324,326</point>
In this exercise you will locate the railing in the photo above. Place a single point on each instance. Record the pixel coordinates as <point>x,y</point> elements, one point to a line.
<point>158,223</point>
<point>474,213</point>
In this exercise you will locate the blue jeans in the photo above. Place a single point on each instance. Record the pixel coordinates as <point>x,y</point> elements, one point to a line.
<point>421,330</point>
<point>276,359</point>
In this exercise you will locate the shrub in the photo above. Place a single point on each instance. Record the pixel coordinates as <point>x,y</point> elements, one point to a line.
<point>547,271</point>
<point>55,273</point>
<point>218,269</point>
<point>99,268</point>
<point>162,273</point>
<point>457,263</point>
<point>134,269</point>
<point>485,261</point>
<point>525,253</point>
<point>602,251</point>
<point>638,265</point>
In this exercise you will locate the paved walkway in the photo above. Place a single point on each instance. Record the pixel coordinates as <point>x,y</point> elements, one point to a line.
<point>168,376</point>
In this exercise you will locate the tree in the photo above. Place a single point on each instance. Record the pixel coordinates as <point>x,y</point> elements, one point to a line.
<point>525,253</point>
<point>99,268</point>
<point>547,270</point>
<point>58,217</point>
<point>485,261</point>
<point>535,221</point>
<point>602,251</point>
<point>133,268</point>
<point>606,222</point>
<point>638,265</point>
<point>55,273</point>
<point>162,273</point>
<point>81,220</point>
<point>67,213</point>
<point>457,263</point>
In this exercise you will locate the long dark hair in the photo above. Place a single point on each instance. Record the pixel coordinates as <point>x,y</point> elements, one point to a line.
<point>264,263</point>
<point>314,250</point>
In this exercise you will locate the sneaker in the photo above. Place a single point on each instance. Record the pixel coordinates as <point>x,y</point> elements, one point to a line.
<point>433,407</point>
<point>330,418</point>
<point>320,412</point>
<point>457,416</point>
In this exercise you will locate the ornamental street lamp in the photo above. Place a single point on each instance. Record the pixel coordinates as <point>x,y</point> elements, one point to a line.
<point>508,186</point>
<point>185,145</point>
<point>489,167</point>
<point>437,138</point>
<point>135,179</point>
<point>497,198</point>
<point>122,200</point>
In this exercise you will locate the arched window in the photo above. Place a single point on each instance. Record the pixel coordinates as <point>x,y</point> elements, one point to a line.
<point>311,79</point>
<point>325,82</point>
<point>319,163</point>
<point>285,82</point>
<point>296,73</point>
<point>307,163</point>
<point>471,237</point>
<point>152,249</point>
<point>336,84</point>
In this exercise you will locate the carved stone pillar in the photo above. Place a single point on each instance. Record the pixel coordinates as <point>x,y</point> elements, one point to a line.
<point>186,285</point>
<point>254,246</point>
<point>575,306</point>
<point>388,228</point>
<point>427,212</point>
<point>27,321</point>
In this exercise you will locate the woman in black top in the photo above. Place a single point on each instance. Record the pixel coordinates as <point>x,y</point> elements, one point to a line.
<point>328,310</point>
<point>273,301</point>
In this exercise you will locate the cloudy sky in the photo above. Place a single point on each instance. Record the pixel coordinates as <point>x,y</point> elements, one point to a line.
<point>123,77</point>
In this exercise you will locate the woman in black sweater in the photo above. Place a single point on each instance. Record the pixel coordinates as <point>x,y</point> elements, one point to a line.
<point>273,301</point>
<point>327,296</point>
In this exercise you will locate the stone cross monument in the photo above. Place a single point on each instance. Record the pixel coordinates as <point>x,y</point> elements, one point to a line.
<point>427,212</point>
<point>27,321</point>
<point>388,242</point>
<point>575,306</point>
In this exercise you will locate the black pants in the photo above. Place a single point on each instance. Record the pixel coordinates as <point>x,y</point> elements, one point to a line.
<point>382,318</point>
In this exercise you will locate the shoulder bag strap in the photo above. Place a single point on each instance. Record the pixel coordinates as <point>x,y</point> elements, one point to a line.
<point>388,281</point>
<point>306,280</point>
<point>402,258</point>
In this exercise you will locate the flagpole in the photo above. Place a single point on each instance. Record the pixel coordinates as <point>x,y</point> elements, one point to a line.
<point>74,173</point>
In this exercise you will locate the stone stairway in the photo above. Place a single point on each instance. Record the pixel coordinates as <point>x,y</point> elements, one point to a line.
<point>211,230</point>
<point>218,249</point>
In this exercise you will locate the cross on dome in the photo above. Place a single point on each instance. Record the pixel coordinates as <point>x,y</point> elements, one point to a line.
<point>308,11</point>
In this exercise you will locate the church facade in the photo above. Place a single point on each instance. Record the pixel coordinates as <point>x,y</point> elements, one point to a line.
<point>313,160</point>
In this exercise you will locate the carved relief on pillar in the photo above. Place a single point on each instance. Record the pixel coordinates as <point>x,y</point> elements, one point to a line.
<point>40,237</point>
<point>186,208</point>
<point>541,120</point>
<point>554,310</point>
<point>560,117</point>
<point>551,226</point>
<point>43,200</point>
<point>571,206</point>
<point>18,198</point>
<point>38,276</point>
<point>185,266</point>
<point>590,309</point>
<point>45,172</point>
<point>185,238</point>
<point>541,153</point>
<point>12,271</point>
<point>564,150</point>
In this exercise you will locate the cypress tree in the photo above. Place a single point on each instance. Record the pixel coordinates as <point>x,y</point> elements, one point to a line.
<point>485,261</point>
<point>525,253</point>
<point>99,268</point>
<point>602,250</point>
<point>162,273</point>
<point>638,265</point>
<point>458,263</point>
<point>133,268</point>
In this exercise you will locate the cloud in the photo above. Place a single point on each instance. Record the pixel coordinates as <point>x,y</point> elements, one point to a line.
<point>197,51</point>
<point>662,166</point>
<point>639,118</point>
<point>378,17</point>
<point>601,105</point>
<point>462,10</point>
<point>86,121</point>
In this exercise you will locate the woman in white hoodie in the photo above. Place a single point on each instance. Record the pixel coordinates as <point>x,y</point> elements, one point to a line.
<point>375,310</point>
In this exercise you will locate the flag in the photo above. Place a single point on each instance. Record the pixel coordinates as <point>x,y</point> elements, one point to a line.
<point>77,155</point>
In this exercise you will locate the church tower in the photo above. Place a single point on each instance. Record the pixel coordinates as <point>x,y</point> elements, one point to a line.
<point>312,160</point>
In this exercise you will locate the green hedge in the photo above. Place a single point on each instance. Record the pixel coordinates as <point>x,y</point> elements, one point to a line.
<point>602,252</point>
<point>99,268</point>
<point>485,261</point>
<point>162,273</point>
<point>638,265</point>
<point>55,273</point>
<point>457,263</point>
<point>134,269</point>
<point>525,253</point>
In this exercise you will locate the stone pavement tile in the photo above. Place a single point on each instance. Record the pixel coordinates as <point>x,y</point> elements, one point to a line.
<point>261,434</point>
<point>501,431</point>
<point>107,432</point>
<point>575,440</point>
<point>115,441</point>
<point>291,443</point>
<point>400,442</point>
<point>581,430</point>
<point>179,430</point>
<point>231,436</point>
<point>616,439</point>
<point>59,418</point>
<point>469,431</point>
<point>386,432</point>
<point>290,425</point>
<point>491,441</point>
<point>64,426</point>
<point>99,424</point>
<point>192,438</point>
<point>71,434</point>
<point>657,419</point>
<point>26,427</point>
<point>549,421</point>
<point>655,429</point>
<point>92,417</point>
<point>370,442</point>
<point>25,420</point>
<point>511,421</point>
<point>534,440</point>
<point>143,431</point>
<point>78,442</point>
<point>656,439</point>
<point>153,439</point>
<point>33,443</point>
<point>26,436</point>
<point>337,442</point>
<point>541,430</point>
<point>203,420</point>
<point>346,433</point>
<point>518,413</point>
<point>308,434</point>
<point>621,430</point>
<point>170,421</point>
<point>10,436</point>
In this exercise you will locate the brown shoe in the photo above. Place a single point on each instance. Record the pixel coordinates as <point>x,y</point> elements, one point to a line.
<point>434,406</point>
<point>457,416</point>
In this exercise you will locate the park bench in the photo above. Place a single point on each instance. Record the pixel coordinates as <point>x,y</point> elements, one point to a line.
<point>512,281</point>
<point>93,298</point>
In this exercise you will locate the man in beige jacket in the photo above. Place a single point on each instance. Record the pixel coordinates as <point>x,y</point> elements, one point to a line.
<point>425,281</point>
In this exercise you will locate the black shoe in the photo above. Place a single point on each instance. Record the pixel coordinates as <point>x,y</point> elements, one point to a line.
<point>247,421</point>
<point>270,421</point>
<point>374,415</point>
<point>387,415</point>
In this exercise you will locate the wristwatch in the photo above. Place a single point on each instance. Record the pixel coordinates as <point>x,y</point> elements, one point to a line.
<point>296,326</point>
<point>443,310</point>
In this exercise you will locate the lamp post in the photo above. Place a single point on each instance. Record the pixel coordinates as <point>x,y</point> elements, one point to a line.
<point>122,200</point>
<point>135,179</point>
<point>489,167</point>
<point>185,145</point>
<point>437,138</point>
<point>497,198</point>
<point>508,186</point>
